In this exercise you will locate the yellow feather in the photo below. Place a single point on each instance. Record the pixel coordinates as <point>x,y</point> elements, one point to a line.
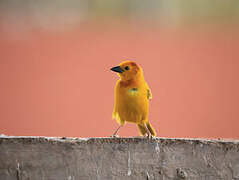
<point>132,96</point>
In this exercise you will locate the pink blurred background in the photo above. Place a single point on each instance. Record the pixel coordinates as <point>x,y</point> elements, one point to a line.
<point>55,60</point>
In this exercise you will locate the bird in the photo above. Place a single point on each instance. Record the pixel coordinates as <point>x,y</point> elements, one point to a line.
<point>132,95</point>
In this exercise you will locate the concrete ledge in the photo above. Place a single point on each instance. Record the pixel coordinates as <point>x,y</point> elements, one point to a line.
<point>41,158</point>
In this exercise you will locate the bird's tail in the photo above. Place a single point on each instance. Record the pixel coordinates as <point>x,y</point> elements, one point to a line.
<point>145,128</point>
<point>151,129</point>
<point>142,129</point>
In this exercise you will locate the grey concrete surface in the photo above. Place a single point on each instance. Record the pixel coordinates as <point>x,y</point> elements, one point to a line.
<point>42,158</point>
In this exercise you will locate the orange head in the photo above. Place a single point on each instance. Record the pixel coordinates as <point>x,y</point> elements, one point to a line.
<point>128,70</point>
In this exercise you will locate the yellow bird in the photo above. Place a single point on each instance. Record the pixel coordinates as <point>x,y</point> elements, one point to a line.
<point>132,96</point>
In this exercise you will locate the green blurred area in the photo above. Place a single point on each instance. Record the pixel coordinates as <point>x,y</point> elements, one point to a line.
<point>168,12</point>
<point>173,10</point>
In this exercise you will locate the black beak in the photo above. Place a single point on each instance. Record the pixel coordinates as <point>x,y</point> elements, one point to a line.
<point>117,69</point>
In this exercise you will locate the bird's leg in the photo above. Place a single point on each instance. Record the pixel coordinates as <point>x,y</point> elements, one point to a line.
<point>148,134</point>
<point>114,135</point>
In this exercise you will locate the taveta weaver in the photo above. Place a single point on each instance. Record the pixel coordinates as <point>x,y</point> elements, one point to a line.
<point>132,95</point>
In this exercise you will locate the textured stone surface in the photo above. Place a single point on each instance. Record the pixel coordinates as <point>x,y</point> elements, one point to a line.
<point>40,158</point>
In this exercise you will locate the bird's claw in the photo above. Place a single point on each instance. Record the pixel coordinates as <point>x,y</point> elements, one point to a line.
<point>149,136</point>
<point>115,136</point>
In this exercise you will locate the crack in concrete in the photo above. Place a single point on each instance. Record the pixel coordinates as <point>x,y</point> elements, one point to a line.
<point>18,172</point>
<point>129,170</point>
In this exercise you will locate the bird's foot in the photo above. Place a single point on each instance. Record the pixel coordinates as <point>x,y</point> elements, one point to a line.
<point>149,136</point>
<point>115,136</point>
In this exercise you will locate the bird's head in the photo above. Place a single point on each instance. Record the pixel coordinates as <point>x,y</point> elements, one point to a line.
<point>128,70</point>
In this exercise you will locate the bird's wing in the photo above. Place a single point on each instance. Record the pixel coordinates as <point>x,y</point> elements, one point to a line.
<point>149,94</point>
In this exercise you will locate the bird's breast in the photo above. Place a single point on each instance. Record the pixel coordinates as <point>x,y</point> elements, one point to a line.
<point>133,91</point>
<point>132,104</point>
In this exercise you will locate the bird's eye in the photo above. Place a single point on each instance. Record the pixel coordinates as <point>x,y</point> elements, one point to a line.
<point>126,68</point>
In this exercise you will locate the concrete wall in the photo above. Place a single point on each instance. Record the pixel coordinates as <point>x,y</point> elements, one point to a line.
<point>39,158</point>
